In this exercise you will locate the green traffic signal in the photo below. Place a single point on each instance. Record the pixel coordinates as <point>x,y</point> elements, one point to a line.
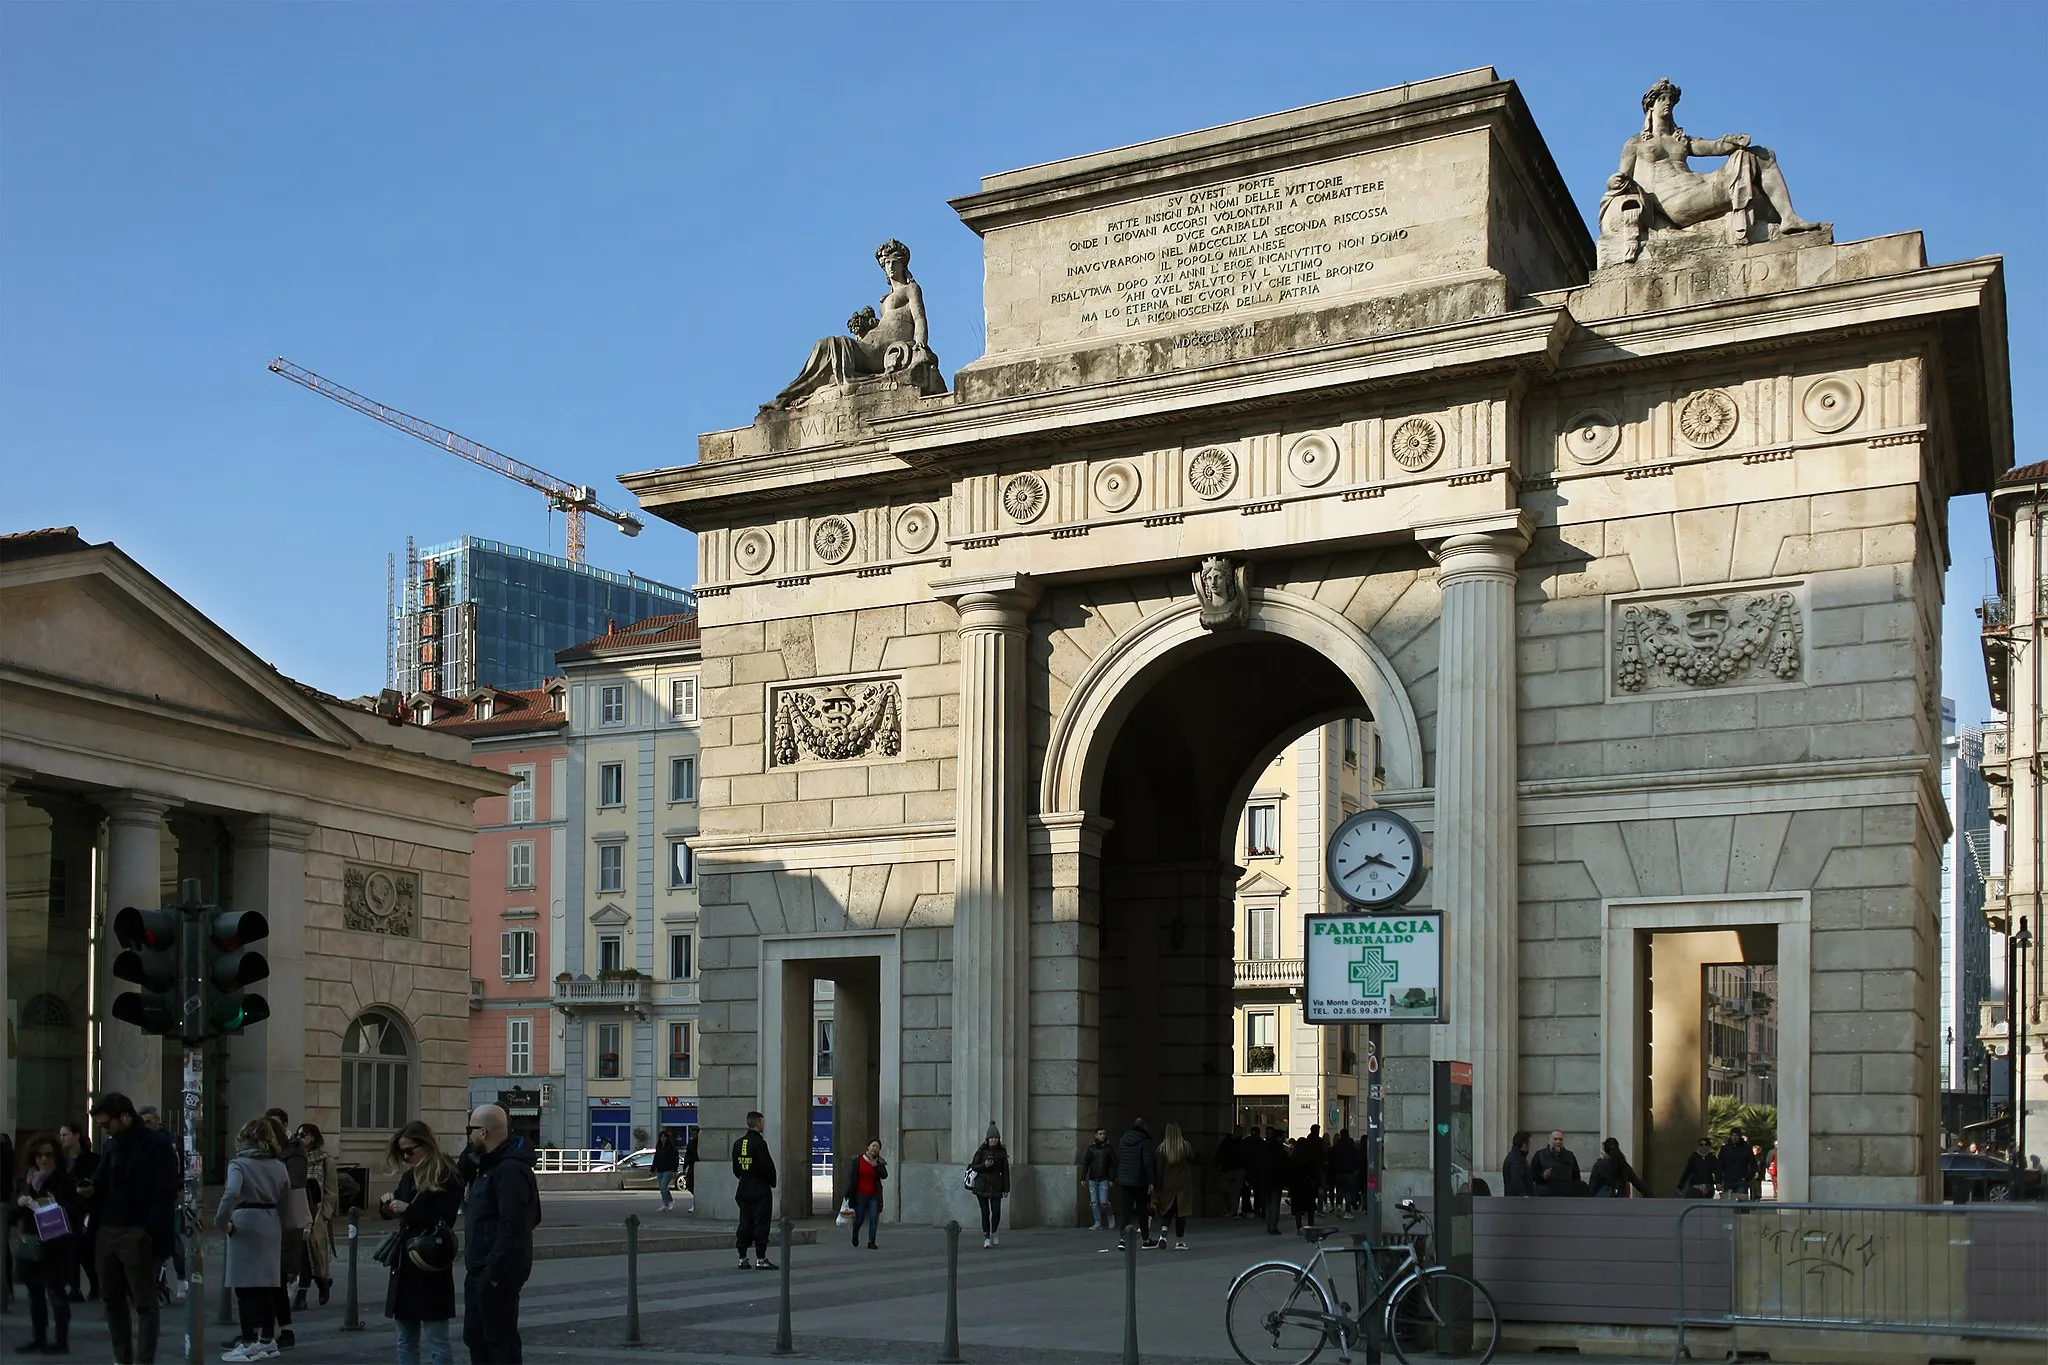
<point>149,958</point>
<point>231,968</point>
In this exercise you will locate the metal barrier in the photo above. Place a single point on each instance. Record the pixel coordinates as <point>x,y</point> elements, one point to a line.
<point>559,1160</point>
<point>1978,1270</point>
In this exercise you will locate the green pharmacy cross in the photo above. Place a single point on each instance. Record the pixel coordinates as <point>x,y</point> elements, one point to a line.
<point>1373,971</point>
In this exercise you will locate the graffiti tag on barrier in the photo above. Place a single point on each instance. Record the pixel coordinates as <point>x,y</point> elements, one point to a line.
<point>1817,1251</point>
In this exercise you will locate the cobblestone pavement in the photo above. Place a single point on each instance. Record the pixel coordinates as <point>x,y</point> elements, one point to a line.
<point>1045,1297</point>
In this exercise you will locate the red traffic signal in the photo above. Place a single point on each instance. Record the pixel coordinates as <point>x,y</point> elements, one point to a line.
<point>149,958</point>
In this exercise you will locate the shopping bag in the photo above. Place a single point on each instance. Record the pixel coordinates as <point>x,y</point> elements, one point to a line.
<point>845,1214</point>
<point>52,1222</point>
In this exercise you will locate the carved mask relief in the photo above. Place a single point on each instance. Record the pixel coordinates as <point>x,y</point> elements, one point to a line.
<point>1752,637</point>
<point>833,722</point>
<point>380,901</point>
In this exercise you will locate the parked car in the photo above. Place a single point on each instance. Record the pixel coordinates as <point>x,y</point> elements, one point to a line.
<point>638,1169</point>
<point>1971,1177</point>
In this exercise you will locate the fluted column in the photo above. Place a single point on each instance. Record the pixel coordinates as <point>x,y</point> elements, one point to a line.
<point>130,1061</point>
<point>991,908</point>
<point>1475,848</point>
<point>8,777</point>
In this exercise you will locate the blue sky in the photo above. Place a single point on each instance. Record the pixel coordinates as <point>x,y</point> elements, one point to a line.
<point>583,234</point>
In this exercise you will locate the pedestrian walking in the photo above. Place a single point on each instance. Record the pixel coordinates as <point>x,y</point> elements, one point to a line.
<point>74,1147</point>
<point>1697,1180</point>
<point>1254,1150</point>
<point>690,1164</point>
<point>1273,1180</point>
<point>45,1243</point>
<point>1305,1179</point>
<point>295,1215</point>
<point>1098,1168</point>
<point>1229,1170</point>
<point>1176,1182</point>
<point>990,1171</point>
<point>1514,1169</point>
<point>753,1166</point>
<point>499,1217</point>
<point>668,1159</point>
<point>323,1196</point>
<point>249,1216</point>
<point>1554,1171</point>
<point>171,1273</point>
<point>133,1197</point>
<point>1137,1172</point>
<point>1612,1175</point>
<point>419,1297</point>
<point>864,1190</point>
<point>1314,1153</point>
<point>1345,1165</point>
<point>1734,1166</point>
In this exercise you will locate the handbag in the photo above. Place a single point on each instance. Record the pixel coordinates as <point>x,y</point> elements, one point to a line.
<point>25,1246</point>
<point>845,1214</point>
<point>967,1180</point>
<point>294,1214</point>
<point>52,1222</point>
<point>386,1253</point>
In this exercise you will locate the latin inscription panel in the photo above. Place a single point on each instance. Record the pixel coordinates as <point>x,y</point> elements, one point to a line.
<point>1199,258</point>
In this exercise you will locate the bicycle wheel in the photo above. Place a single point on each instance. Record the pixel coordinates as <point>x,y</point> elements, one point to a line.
<point>1441,1313</point>
<point>1275,1316</point>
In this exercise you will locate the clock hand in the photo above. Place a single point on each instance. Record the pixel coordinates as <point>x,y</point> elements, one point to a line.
<point>1376,858</point>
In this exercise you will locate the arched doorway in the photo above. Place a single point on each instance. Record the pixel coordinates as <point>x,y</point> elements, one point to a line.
<point>1157,748</point>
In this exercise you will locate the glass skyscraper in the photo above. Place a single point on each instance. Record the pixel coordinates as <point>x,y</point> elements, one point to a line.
<point>482,613</point>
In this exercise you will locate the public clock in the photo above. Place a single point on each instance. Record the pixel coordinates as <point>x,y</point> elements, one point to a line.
<point>1375,859</point>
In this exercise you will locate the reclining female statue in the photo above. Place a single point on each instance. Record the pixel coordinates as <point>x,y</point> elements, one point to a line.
<point>893,342</point>
<point>1656,187</point>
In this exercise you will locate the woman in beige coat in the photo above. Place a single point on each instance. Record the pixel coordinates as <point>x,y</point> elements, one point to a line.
<point>1176,1197</point>
<point>320,1172</point>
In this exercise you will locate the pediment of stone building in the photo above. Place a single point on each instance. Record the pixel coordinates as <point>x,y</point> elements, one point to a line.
<point>610,916</point>
<point>1262,885</point>
<point>95,625</point>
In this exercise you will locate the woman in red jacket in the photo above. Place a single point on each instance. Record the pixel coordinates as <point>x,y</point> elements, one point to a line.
<point>864,1191</point>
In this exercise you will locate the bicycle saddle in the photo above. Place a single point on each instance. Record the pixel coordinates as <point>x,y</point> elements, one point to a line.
<point>1318,1234</point>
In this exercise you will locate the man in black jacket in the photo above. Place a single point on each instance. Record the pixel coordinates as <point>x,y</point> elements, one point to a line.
<point>1735,1166</point>
<point>498,1223</point>
<point>1554,1171</point>
<point>134,1202</point>
<point>1137,1171</point>
<point>1098,1168</point>
<point>1230,1169</point>
<point>753,1166</point>
<point>1697,1180</point>
<point>1514,1170</point>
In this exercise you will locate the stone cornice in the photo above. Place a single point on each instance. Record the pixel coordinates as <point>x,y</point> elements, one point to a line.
<point>806,850</point>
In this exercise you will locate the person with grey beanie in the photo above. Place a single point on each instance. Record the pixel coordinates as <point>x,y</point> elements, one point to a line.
<point>990,1173</point>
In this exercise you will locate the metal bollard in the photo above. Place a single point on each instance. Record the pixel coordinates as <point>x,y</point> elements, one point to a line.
<point>783,1345</point>
<point>1130,1298</point>
<point>632,1279</point>
<point>949,1348</point>
<point>352,1313</point>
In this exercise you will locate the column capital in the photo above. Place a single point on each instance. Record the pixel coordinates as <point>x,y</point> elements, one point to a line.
<point>1477,549</point>
<point>271,831</point>
<point>10,776</point>
<point>135,808</point>
<point>996,601</point>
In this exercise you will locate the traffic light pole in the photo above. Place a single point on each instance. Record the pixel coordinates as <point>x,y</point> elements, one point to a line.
<point>192,1114</point>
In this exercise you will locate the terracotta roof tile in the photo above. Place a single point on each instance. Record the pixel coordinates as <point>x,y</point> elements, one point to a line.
<point>677,629</point>
<point>512,710</point>
<point>2036,472</point>
<point>51,540</point>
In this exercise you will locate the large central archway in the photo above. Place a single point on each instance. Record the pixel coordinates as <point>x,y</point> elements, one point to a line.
<point>1161,741</point>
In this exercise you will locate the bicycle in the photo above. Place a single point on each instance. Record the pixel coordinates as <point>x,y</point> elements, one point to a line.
<point>1279,1313</point>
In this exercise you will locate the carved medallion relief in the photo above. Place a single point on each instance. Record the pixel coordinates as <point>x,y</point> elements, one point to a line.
<point>1688,643</point>
<point>916,529</point>
<point>1312,459</point>
<point>1416,444</point>
<point>832,539</point>
<point>1707,418</point>
<point>1116,485</point>
<point>1212,473</point>
<point>833,722</point>
<point>1024,498</point>
<point>753,550</point>
<point>1832,403</point>
<point>380,900</point>
<point>1591,436</point>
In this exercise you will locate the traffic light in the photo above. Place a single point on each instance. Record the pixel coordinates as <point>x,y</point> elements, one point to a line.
<point>231,968</point>
<point>149,957</point>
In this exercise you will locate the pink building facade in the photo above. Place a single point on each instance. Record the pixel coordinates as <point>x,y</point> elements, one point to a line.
<point>516,901</point>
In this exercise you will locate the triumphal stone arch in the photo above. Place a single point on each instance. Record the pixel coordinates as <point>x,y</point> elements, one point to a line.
<point>1632,549</point>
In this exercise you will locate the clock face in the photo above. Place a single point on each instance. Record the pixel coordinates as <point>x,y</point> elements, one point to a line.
<point>1376,858</point>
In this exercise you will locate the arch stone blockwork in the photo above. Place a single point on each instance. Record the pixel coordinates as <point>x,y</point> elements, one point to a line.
<point>1637,570</point>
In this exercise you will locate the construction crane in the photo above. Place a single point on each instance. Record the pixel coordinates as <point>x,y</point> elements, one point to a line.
<point>571,499</point>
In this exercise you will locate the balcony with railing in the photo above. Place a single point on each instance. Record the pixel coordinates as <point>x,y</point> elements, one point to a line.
<point>1997,752</point>
<point>1268,973</point>
<point>611,992</point>
<point>1996,639</point>
<point>1997,908</point>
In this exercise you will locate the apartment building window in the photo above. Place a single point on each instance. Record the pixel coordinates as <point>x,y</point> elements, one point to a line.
<point>1351,742</point>
<point>824,1067</point>
<point>515,955</point>
<point>679,1052</point>
<point>682,699</point>
<point>682,779</point>
<point>1262,831</point>
<point>376,1073</point>
<point>682,957</point>
<point>611,867</point>
<point>682,864</point>
<point>609,1042</point>
<point>611,784</point>
<point>611,952</point>
<point>519,865</point>
<point>519,1047</point>
<point>1261,1038</point>
<point>611,704</point>
<point>1262,930</point>
<point>519,803</point>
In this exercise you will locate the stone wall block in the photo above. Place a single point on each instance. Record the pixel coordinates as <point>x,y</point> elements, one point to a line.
<point>1706,544</point>
<point>1704,846</point>
<point>1653,852</point>
<point>1600,847</point>
<point>839,779</point>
